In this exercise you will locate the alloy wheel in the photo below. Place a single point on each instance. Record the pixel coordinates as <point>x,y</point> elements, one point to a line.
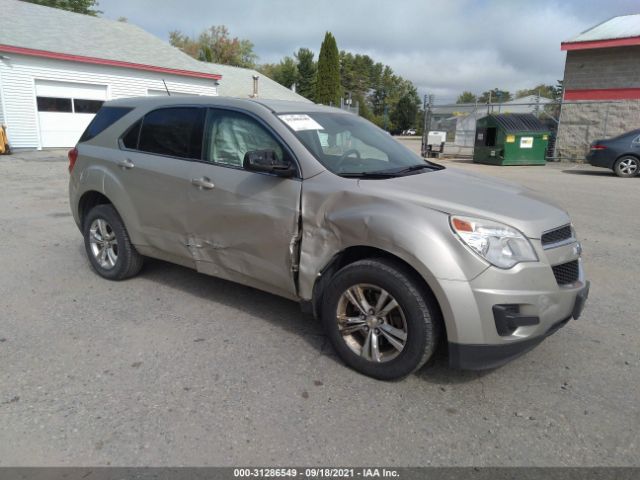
<point>628,166</point>
<point>371,322</point>
<point>104,244</point>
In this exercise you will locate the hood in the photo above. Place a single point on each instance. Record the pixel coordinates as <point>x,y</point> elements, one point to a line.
<point>458,192</point>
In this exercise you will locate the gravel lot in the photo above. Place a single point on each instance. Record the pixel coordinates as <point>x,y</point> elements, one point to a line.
<point>176,368</point>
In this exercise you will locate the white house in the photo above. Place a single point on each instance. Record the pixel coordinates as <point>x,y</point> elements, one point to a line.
<point>57,67</point>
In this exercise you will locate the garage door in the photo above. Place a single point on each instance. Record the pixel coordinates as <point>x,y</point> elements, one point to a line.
<point>65,110</point>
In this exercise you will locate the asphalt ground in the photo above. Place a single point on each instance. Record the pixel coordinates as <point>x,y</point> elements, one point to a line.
<point>176,368</point>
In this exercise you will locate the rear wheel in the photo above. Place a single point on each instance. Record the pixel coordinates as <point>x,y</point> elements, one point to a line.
<point>108,246</point>
<point>627,167</point>
<point>381,321</point>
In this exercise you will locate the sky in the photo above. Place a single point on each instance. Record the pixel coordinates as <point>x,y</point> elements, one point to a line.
<point>443,47</point>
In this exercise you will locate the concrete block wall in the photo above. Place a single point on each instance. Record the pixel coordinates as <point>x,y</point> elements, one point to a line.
<point>582,123</point>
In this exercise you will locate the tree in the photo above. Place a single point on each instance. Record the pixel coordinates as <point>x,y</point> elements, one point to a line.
<point>86,7</point>
<point>216,46</point>
<point>495,96</point>
<point>328,82</point>
<point>558,91</point>
<point>542,89</point>
<point>404,114</point>
<point>467,97</point>
<point>285,72</point>
<point>307,73</point>
<point>355,73</point>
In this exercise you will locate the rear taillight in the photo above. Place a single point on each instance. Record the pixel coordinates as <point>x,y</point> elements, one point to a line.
<point>73,156</point>
<point>598,147</point>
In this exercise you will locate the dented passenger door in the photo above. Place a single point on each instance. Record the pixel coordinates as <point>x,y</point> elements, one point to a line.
<point>243,226</point>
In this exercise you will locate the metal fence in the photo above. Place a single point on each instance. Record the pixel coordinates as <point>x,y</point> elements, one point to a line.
<point>573,125</point>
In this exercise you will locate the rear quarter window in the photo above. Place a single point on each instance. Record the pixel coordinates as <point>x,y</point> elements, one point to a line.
<point>175,131</point>
<point>105,117</point>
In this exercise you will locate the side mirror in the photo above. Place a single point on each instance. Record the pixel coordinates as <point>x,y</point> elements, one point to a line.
<point>267,161</point>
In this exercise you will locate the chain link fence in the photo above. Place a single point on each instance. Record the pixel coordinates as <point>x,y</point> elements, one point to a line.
<point>573,125</point>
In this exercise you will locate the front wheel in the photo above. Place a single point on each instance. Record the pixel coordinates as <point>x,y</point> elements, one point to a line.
<point>381,321</point>
<point>627,167</point>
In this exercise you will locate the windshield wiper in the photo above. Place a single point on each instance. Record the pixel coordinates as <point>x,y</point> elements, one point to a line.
<point>414,168</point>
<point>389,173</point>
<point>380,174</point>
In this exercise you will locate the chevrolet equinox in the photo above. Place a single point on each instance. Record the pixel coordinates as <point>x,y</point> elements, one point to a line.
<point>391,252</point>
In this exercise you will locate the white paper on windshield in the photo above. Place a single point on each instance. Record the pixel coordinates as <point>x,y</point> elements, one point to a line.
<point>299,122</point>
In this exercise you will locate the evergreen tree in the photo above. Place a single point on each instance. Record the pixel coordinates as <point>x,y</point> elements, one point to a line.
<point>307,74</point>
<point>285,72</point>
<point>328,84</point>
<point>405,112</point>
<point>78,6</point>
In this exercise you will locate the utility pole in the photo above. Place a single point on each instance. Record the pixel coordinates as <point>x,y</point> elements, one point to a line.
<point>428,103</point>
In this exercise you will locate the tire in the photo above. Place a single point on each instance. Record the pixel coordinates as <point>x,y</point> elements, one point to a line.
<point>627,166</point>
<point>104,228</point>
<point>417,317</point>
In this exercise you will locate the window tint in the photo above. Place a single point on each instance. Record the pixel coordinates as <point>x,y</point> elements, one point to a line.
<point>173,131</point>
<point>230,135</point>
<point>53,104</point>
<point>130,139</point>
<point>105,117</point>
<point>86,106</point>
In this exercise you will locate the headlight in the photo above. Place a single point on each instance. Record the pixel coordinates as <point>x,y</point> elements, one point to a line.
<point>498,244</point>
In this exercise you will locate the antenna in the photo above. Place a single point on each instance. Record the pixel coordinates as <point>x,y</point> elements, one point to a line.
<point>166,88</point>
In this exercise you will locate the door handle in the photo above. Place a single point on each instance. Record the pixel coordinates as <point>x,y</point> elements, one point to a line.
<point>203,183</point>
<point>126,164</point>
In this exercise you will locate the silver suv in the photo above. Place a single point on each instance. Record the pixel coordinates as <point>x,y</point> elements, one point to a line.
<point>392,253</point>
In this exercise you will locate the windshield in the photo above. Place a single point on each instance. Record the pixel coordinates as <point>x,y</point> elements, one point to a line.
<point>350,146</point>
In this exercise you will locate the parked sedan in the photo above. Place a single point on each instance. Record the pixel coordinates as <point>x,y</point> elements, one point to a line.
<point>621,154</point>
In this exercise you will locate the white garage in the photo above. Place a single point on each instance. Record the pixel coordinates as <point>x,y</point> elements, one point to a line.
<point>58,67</point>
<point>65,110</point>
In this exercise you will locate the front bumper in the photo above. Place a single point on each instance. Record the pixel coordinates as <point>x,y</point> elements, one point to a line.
<point>481,357</point>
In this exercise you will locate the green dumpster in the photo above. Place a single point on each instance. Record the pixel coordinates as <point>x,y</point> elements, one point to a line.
<point>510,139</point>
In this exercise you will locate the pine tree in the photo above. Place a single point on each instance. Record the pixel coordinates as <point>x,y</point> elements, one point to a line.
<point>86,7</point>
<point>328,83</point>
<point>307,73</point>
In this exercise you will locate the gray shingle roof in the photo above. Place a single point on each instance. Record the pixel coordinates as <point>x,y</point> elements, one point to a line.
<point>625,26</point>
<point>238,82</point>
<point>36,27</point>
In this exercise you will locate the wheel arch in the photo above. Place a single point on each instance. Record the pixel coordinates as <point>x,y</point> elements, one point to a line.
<point>360,252</point>
<point>89,200</point>
<point>628,154</point>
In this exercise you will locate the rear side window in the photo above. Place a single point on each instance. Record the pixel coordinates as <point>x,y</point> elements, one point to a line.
<point>105,117</point>
<point>176,132</point>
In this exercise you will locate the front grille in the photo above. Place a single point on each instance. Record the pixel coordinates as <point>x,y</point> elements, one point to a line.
<point>566,273</point>
<point>557,235</point>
